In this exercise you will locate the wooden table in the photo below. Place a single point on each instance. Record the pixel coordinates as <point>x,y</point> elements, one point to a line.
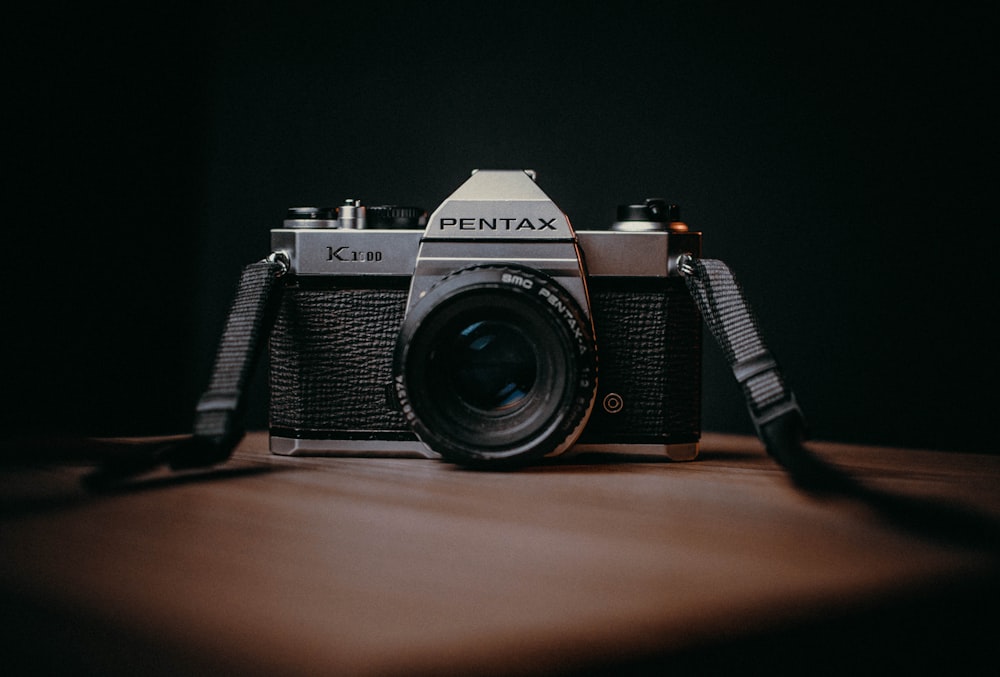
<point>274,565</point>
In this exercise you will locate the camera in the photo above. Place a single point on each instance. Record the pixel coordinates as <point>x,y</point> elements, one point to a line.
<point>489,333</point>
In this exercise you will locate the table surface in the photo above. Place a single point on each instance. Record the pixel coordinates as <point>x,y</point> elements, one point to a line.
<point>276,565</point>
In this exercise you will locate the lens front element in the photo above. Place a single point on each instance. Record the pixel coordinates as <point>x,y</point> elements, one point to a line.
<point>493,366</point>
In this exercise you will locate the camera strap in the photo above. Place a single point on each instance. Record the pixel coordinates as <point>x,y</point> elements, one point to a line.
<point>219,415</point>
<point>772,405</point>
<point>781,426</point>
<point>219,425</point>
<point>218,419</point>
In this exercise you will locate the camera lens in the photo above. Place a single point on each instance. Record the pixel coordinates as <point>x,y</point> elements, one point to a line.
<point>496,366</point>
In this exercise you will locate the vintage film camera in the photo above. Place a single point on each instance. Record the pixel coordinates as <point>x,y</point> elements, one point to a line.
<point>491,333</point>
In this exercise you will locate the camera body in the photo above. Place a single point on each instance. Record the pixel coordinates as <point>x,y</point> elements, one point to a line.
<point>490,333</point>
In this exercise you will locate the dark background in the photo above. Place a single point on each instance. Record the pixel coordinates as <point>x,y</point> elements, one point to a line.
<point>840,157</point>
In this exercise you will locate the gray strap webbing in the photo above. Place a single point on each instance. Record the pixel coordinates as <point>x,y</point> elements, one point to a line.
<point>219,416</point>
<point>218,423</point>
<point>771,403</point>
<point>732,322</point>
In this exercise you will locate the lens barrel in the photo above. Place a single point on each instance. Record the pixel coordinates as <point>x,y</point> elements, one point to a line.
<point>496,366</point>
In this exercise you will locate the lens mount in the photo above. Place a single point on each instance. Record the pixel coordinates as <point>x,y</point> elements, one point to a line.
<point>496,366</point>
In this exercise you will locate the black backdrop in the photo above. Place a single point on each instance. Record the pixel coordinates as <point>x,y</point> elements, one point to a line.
<point>841,158</point>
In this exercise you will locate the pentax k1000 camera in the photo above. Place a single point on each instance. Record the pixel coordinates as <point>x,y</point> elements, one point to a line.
<point>490,333</point>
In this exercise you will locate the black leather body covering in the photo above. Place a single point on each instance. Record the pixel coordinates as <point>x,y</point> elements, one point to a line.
<point>332,345</point>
